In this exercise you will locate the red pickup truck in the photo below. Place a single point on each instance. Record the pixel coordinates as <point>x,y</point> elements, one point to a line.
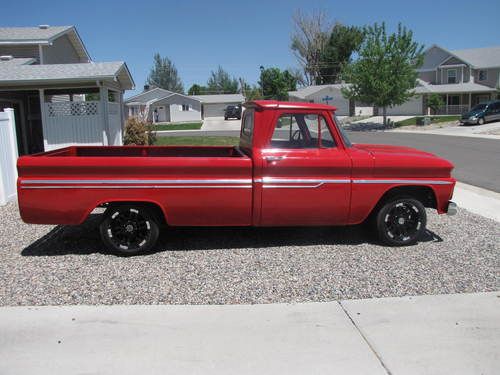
<point>294,166</point>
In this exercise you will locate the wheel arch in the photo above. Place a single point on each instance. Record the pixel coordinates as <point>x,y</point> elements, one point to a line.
<point>423,193</point>
<point>157,208</point>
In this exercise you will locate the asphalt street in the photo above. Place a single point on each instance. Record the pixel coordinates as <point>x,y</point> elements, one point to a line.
<point>476,160</point>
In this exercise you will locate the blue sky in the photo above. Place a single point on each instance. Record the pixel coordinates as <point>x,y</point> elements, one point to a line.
<point>241,36</point>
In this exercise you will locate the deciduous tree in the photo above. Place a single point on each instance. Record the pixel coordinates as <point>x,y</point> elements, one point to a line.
<point>275,83</point>
<point>385,72</point>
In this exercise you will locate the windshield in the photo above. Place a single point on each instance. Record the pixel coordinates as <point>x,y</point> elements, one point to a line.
<point>479,107</point>
<point>342,131</point>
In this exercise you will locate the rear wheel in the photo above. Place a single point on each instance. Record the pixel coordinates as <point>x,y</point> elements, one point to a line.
<point>129,229</point>
<point>401,221</point>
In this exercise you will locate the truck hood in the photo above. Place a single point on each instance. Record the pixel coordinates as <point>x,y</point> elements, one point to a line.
<point>379,150</point>
<point>401,161</point>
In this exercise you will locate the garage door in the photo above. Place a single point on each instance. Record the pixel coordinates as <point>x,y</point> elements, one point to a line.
<point>411,107</point>
<point>214,110</point>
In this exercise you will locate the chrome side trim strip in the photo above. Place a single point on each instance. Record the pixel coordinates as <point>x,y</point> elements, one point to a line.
<point>304,181</point>
<point>292,186</point>
<point>139,187</point>
<point>198,181</point>
<point>402,181</point>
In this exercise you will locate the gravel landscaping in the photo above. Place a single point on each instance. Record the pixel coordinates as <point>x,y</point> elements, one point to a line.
<point>47,265</point>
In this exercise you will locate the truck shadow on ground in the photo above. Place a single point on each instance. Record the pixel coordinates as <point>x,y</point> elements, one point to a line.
<point>84,239</point>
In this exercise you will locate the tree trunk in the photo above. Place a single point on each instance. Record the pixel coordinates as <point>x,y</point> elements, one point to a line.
<point>384,113</point>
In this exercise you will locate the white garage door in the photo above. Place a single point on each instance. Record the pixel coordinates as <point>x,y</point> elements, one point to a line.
<point>214,110</point>
<point>411,107</point>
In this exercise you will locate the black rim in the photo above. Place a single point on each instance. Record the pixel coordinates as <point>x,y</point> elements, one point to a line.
<point>128,229</point>
<point>403,222</point>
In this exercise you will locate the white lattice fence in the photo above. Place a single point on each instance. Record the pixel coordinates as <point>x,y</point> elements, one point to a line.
<point>8,156</point>
<point>70,123</point>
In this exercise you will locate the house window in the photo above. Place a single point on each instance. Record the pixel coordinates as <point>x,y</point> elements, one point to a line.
<point>185,107</point>
<point>452,75</point>
<point>482,75</point>
<point>454,100</point>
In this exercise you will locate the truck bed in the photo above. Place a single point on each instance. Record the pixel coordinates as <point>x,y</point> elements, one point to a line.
<point>192,183</point>
<point>147,151</point>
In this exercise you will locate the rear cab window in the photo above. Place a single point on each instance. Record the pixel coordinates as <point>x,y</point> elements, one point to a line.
<point>246,133</point>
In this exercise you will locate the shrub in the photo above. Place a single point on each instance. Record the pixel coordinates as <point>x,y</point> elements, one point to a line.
<point>137,132</point>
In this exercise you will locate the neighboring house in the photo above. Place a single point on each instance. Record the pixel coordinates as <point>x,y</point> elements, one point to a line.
<point>463,78</point>
<point>59,95</point>
<point>160,105</point>
<point>215,105</point>
<point>332,95</point>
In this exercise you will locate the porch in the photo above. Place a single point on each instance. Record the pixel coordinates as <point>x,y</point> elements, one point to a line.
<point>456,104</point>
<point>66,104</point>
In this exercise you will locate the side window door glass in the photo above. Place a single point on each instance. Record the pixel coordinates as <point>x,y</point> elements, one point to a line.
<point>301,130</point>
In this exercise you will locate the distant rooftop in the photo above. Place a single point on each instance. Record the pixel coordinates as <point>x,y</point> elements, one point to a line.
<point>488,57</point>
<point>220,98</point>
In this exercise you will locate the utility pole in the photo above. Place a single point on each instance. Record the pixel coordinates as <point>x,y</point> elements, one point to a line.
<point>261,81</point>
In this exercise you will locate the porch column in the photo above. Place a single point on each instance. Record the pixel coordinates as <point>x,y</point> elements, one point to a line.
<point>446,104</point>
<point>103,96</point>
<point>470,100</point>
<point>43,115</point>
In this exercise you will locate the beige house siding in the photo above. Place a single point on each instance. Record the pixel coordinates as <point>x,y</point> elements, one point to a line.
<point>433,57</point>
<point>492,79</point>
<point>443,74</point>
<point>60,52</point>
<point>429,77</point>
<point>20,51</point>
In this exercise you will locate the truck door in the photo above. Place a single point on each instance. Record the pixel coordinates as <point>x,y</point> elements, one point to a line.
<point>305,174</point>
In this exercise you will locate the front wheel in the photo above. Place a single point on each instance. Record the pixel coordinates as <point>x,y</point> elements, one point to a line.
<point>480,121</point>
<point>129,229</point>
<point>401,221</point>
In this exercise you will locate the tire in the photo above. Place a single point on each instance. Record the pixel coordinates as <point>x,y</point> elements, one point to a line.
<point>401,221</point>
<point>225,118</point>
<point>129,229</point>
<point>480,121</point>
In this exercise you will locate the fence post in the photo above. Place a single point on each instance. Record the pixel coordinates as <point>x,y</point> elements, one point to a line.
<point>8,178</point>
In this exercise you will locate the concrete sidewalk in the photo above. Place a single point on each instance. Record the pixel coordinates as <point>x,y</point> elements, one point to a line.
<point>449,334</point>
<point>477,200</point>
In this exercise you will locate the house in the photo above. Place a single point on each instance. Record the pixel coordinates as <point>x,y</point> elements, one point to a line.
<point>331,94</point>
<point>59,95</point>
<point>463,78</point>
<point>160,105</point>
<point>215,105</point>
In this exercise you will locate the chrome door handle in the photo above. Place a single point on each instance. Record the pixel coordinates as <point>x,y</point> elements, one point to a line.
<point>273,158</point>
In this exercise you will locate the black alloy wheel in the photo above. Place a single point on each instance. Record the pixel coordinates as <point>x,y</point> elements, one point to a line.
<point>129,229</point>
<point>401,221</point>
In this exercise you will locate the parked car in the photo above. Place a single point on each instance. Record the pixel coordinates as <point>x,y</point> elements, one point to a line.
<point>294,166</point>
<point>232,111</point>
<point>482,113</point>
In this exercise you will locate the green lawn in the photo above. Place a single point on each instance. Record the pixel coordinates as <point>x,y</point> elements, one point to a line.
<point>420,120</point>
<point>181,126</point>
<point>197,141</point>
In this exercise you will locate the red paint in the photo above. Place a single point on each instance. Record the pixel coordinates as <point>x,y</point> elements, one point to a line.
<point>64,186</point>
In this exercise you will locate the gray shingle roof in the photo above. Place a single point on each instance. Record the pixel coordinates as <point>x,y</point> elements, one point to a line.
<point>310,90</point>
<point>17,61</point>
<point>480,57</point>
<point>220,98</point>
<point>455,88</point>
<point>25,34</point>
<point>53,73</point>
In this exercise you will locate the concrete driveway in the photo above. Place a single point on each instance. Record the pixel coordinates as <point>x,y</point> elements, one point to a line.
<point>219,124</point>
